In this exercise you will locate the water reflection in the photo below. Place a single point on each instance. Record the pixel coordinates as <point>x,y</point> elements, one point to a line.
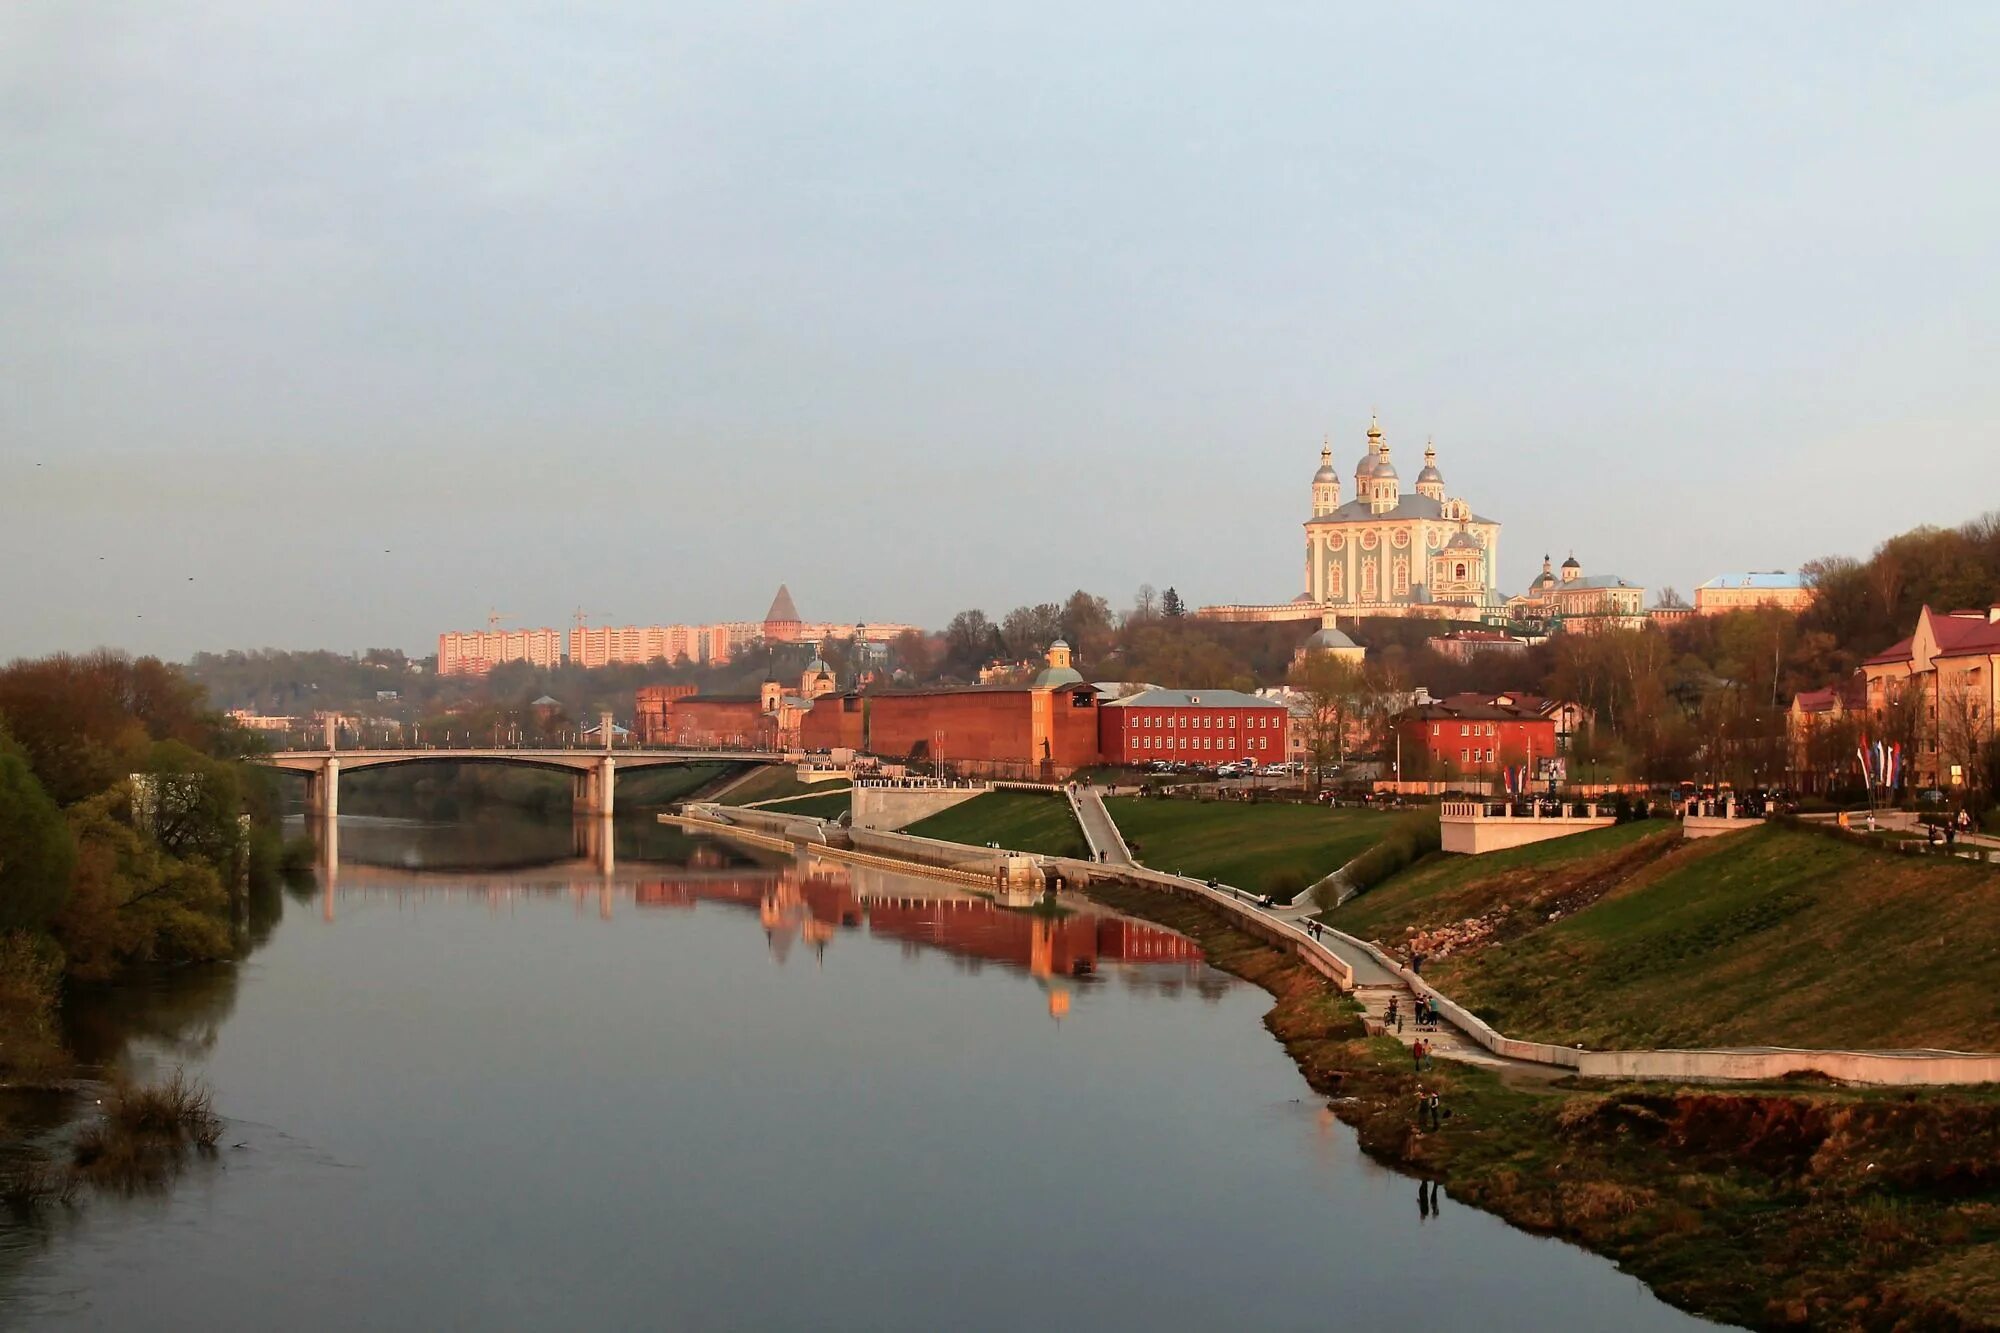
<point>805,902</point>
<point>606,1089</point>
<point>812,902</point>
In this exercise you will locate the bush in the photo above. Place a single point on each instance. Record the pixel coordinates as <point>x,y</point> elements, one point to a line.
<point>1411,837</point>
<point>31,968</point>
<point>36,854</point>
<point>1284,886</point>
<point>145,1131</point>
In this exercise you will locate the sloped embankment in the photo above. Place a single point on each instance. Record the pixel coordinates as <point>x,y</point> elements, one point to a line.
<point>1774,1207</point>
<point>1778,936</point>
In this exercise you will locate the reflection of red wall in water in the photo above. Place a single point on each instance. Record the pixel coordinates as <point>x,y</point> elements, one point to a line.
<point>1120,939</point>
<point>1074,944</point>
<point>743,891</point>
<point>970,927</point>
<point>827,898</point>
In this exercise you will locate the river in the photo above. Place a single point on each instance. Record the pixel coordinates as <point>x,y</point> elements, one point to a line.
<point>486,1075</point>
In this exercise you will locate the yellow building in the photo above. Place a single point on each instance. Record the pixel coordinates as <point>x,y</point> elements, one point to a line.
<point>1573,601</point>
<point>1936,693</point>
<point>1759,587</point>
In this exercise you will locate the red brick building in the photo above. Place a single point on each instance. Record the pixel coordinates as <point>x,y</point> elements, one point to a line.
<point>1191,726</point>
<point>651,706</point>
<point>1477,734</point>
<point>1039,730</point>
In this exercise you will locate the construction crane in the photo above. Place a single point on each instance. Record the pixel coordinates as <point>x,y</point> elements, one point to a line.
<point>582,617</point>
<point>493,618</point>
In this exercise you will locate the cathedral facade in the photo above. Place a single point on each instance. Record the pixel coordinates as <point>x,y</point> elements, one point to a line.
<point>1388,552</point>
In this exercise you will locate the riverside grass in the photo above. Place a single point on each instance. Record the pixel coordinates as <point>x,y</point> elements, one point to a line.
<point>1241,843</point>
<point>777,782</point>
<point>1020,821</point>
<point>1629,937</point>
<point>1772,1207</point>
<point>822,805</point>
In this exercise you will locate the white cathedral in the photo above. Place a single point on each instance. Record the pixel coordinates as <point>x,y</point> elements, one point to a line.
<point>1390,553</point>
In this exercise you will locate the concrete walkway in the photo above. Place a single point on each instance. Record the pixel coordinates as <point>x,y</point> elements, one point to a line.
<point>1375,986</point>
<point>1099,829</point>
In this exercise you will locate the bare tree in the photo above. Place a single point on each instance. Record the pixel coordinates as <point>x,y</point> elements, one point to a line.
<point>1333,690</point>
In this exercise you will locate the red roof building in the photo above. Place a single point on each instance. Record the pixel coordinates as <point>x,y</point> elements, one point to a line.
<point>1936,694</point>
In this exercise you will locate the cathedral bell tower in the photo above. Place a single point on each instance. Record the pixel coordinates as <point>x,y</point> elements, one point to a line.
<point>1326,483</point>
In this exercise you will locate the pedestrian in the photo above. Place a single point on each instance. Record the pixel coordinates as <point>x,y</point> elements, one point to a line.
<point>1421,1107</point>
<point>1433,1106</point>
<point>1393,1018</point>
<point>1430,1049</point>
<point>1417,1055</point>
<point>1417,963</point>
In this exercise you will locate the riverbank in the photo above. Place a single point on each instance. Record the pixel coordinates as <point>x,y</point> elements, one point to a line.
<point>1635,938</point>
<point>1782,1206</point>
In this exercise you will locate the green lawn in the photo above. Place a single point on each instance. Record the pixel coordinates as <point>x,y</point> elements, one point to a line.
<point>1021,821</point>
<point>1447,887</point>
<point>777,782</point>
<point>1241,843</point>
<point>668,783</point>
<point>824,805</point>
<point>1776,936</point>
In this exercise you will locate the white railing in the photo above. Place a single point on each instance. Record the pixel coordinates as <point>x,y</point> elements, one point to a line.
<point>1527,810</point>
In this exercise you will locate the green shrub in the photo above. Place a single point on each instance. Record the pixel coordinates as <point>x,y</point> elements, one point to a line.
<point>1284,885</point>
<point>1409,838</point>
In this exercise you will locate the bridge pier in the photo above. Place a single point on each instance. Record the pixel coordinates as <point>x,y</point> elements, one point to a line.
<point>323,790</point>
<point>592,789</point>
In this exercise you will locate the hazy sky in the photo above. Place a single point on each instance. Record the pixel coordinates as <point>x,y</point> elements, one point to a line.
<point>367,317</point>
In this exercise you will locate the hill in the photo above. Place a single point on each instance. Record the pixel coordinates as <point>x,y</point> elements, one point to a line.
<point>1240,843</point>
<point>1631,937</point>
<point>1021,821</point>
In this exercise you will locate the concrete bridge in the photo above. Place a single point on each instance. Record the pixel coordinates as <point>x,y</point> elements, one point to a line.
<point>594,772</point>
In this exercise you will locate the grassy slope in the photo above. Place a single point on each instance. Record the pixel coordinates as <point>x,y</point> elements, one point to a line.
<point>776,783</point>
<point>1775,936</point>
<point>1021,821</point>
<point>1443,887</point>
<point>663,786</point>
<point>825,805</point>
<point>1240,843</point>
<point>1765,1206</point>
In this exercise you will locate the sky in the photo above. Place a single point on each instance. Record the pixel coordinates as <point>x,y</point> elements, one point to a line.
<point>341,325</point>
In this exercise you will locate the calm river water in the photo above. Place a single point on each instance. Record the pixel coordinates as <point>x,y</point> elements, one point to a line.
<point>697,1089</point>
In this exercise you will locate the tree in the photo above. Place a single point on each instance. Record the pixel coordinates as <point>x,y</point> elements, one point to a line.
<point>1145,602</point>
<point>1671,597</point>
<point>131,902</point>
<point>1332,689</point>
<point>1027,631</point>
<point>968,641</point>
<point>1962,737</point>
<point>914,654</point>
<point>36,855</point>
<point>1171,605</point>
<point>1088,625</point>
